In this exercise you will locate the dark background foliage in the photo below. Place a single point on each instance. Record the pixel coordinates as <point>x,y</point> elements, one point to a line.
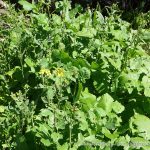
<point>142,5</point>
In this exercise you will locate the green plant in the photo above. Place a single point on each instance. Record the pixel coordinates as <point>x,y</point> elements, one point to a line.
<point>73,81</point>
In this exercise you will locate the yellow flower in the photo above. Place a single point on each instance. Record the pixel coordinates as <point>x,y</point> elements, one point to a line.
<point>60,72</point>
<point>45,72</point>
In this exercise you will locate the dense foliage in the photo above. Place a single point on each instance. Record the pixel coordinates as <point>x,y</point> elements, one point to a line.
<point>73,80</point>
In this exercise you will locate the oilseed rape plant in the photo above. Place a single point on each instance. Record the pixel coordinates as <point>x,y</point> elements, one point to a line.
<point>59,72</point>
<point>45,72</point>
<point>73,79</point>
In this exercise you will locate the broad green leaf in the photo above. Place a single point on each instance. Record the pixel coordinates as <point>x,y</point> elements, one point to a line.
<point>85,72</point>
<point>81,62</point>
<point>105,102</point>
<point>46,142</point>
<point>138,142</point>
<point>113,121</point>
<point>146,35</point>
<point>98,17</point>
<point>56,19</point>
<point>26,5</point>
<point>87,99</point>
<point>146,147</point>
<point>108,134</point>
<point>89,33</point>
<point>41,18</point>
<point>2,77</point>
<point>79,142</point>
<point>140,124</point>
<point>122,141</point>
<point>12,71</point>
<point>43,63</point>
<point>81,117</point>
<point>44,128</point>
<point>92,140</point>
<point>146,84</point>
<point>119,35</point>
<point>29,62</point>
<point>56,136</point>
<point>115,63</point>
<point>5,146</point>
<point>50,93</point>
<point>117,107</point>
<point>74,54</point>
<point>92,117</point>
<point>100,112</point>
<point>46,112</point>
<point>94,65</point>
<point>2,108</point>
<point>62,147</point>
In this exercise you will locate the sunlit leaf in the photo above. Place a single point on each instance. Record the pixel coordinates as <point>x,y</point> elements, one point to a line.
<point>26,5</point>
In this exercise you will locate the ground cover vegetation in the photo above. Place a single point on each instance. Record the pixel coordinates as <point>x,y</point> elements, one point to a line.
<point>73,79</point>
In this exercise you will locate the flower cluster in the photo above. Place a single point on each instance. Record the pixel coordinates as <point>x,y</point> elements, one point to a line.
<point>60,72</point>
<point>45,72</point>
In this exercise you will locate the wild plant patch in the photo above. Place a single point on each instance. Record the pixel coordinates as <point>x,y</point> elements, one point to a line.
<point>73,80</point>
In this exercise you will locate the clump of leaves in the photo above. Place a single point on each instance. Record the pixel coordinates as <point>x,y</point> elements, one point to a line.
<point>72,81</point>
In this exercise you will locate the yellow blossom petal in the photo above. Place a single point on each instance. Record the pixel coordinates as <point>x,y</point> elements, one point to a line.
<point>45,72</point>
<point>60,72</point>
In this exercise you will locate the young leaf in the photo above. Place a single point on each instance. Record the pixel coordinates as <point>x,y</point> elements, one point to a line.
<point>105,102</point>
<point>87,99</point>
